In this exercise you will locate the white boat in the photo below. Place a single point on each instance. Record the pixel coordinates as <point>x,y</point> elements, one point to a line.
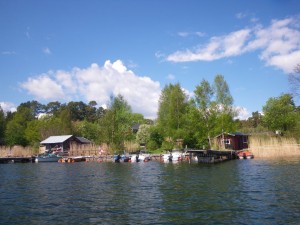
<point>143,157</point>
<point>166,157</point>
<point>47,158</point>
<point>174,156</point>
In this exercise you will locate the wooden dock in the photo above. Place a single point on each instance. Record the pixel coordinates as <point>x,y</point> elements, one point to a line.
<point>16,160</point>
<point>212,156</point>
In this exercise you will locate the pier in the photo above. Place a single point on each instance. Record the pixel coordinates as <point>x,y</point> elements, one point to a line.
<point>211,156</point>
<point>16,159</point>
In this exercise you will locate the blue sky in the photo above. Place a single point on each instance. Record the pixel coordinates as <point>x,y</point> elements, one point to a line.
<point>86,50</point>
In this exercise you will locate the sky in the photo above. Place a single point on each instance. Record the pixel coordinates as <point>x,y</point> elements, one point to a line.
<point>85,50</point>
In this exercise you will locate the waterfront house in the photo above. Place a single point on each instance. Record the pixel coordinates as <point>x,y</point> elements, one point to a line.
<point>62,143</point>
<point>232,141</point>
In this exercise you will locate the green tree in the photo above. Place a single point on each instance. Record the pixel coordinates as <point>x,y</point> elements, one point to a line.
<point>65,117</point>
<point>224,103</point>
<point>50,125</point>
<point>143,134</point>
<point>116,124</point>
<point>53,107</point>
<point>172,111</point>
<point>15,130</point>
<point>205,112</point>
<point>280,113</point>
<point>77,110</point>
<point>32,133</point>
<point>222,92</point>
<point>91,110</point>
<point>88,130</point>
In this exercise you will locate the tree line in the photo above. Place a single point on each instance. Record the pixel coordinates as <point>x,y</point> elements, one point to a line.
<point>181,121</point>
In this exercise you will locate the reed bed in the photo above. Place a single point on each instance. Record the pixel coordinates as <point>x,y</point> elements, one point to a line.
<point>273,147</point>
<point>88,150</point>
<point>16,151</point>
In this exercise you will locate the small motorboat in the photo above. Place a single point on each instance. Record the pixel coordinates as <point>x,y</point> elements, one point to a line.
<point>50,157</point>
<point>245,155</point>
<point>174,156</point>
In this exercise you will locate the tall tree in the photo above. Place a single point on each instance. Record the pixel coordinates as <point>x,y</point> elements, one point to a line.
<point>116,124</point>
<point>224,103</point>
<point>90,111</point>
<point>172,110</point>
<point>205,109</point>
<point>52,107</point>
<point>77,110</point>
<point>222,92</point>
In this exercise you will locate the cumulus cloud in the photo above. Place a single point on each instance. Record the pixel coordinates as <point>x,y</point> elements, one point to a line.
<point>242,113</point>
<point>8,107</point>
<point>98,83</point>
<point>279,45</point>
<point>44,87</point>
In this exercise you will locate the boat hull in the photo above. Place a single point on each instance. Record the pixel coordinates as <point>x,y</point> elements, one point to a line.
<point>47,159</point>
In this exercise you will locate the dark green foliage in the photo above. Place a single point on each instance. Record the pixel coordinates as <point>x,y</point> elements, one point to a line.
<point>115,125</point>
<point>172,110</point>
<point>280,113</point>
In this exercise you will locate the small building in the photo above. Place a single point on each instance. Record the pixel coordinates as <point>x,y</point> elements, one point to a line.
<point>62,143</point>
<point>135,127</point>
<point>232,141</point>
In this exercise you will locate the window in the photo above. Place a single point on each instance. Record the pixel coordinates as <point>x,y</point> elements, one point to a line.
<point>226,141</point>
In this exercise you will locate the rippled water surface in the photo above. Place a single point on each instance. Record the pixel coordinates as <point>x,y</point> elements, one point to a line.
<point>234,192</point>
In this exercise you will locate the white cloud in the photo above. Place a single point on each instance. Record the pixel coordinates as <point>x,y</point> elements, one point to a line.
<point>98,83</point>
<point>218,47</point>
<point>242,113</point>
<point>8,107</point>
<point>186,34</point>
<point>44,87</point>
<point>279,45</point>
<point>47,51</point>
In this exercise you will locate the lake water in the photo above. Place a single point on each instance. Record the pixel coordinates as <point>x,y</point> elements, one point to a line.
<point>234,192</point>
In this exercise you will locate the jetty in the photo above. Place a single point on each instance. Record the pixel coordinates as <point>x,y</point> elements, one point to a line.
<point>16,159</point>
<point>211,156</point>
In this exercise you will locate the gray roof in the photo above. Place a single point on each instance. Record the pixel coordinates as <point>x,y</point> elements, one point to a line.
<point>83,140</point>
<point>233,134</point>
<point>56,139</point>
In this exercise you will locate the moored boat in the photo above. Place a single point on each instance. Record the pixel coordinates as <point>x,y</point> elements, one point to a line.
<point>245,155</point>
<point>48,158</point>
<point>174,156</point>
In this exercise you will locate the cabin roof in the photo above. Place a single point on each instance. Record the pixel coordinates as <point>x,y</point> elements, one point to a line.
<point>233,134</point>
<point>83,140</point>
<point>56,139</point>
